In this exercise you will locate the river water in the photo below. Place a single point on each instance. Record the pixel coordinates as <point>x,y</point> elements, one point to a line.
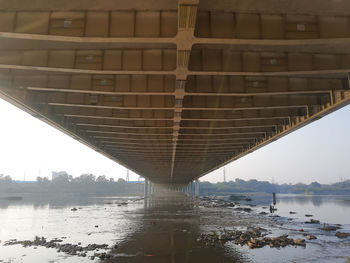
<point>166,229</point>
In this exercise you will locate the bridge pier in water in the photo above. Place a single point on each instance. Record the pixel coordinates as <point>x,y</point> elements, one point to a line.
<point>191,189</point>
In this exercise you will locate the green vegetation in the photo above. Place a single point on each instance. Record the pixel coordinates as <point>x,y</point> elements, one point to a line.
<point>86,184</point>
<point>100,185</point>
<point>253,186</point>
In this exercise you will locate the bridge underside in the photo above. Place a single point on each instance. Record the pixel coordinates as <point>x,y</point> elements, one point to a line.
<point>175,89</point>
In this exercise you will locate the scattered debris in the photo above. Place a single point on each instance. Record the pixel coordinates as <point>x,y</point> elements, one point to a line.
<point>342,234</point>
<point>312,221</point>
<point>68,248</point>
<point>101,256</point>
<point>210,202</point>
<point>330,228</point>
<point>254,238</point>
<point>299,242</point>
<point>311,237</point>
<point>244,209</point>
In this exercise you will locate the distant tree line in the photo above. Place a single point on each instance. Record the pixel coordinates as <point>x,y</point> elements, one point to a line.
<point>65,183</point>
<point>242,186</point>
<point>100,185</point>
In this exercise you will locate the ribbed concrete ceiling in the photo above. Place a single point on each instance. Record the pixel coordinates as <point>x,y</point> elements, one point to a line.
<point>175,89</point>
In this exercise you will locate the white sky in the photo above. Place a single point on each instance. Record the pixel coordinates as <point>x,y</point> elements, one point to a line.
<point>317,152</point>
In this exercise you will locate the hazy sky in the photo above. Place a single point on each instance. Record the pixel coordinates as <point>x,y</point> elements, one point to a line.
<point>317,152</point>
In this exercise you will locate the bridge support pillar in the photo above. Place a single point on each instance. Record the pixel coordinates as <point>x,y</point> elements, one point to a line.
<point>196,188</point>
<point>146,188</point>
<point>151,188</point>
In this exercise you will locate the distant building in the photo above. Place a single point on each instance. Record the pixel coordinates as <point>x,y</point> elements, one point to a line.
<point>59,174</point>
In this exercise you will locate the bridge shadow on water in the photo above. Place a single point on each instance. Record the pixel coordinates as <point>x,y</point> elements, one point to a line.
<point>168,232</point>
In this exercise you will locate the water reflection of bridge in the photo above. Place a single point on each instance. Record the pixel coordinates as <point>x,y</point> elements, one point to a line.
<point>168,232</point>
<point>174,90</point>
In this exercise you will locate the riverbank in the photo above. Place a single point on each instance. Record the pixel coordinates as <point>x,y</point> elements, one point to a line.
<point>166,229</point>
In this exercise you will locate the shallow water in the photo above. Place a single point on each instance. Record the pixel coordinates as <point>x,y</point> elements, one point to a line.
<point>328,209</point>
<point>166,229</point>
<point>95,221</point>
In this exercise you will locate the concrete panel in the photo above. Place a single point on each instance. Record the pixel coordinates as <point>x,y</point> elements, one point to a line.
<point>152,59</point>
<point>334,27</point>
<point>80,82</point>
<point>113,100</point>
<point>10,57</point>
<point>272,26</point>
<point>58,81</point>
<point>248,26</point>
<point>231,61</point>
<point>112,60</point>
<point>220,84</point>
<point>301,27</point>
<point>203,84</point>
<point>168,24</point>
<point>139,83</point>
<point>169,83</point>
<point>277,84</point>
<point>88,59</point>
<point>319,84</point>
<point>169,101</point>
<point>62,59</point>
<point>196,59</point>
<point>222,25</point>
<point>122,83</point>
<point>191,84</point>
<point>76,98</point>
<point>158,101</point>
<point>35,58</point>
<point>147,24</point>
<point>325,61</point>
<point>67,23</point>
<point>130,101</point>
<point>32,22</point>
<point>103,83</point>
<point>7,20</point>
<point>202,28</point>
<point>273,62</point>
<point>122,24</point>
<point>298,83</point>
<point>30,81</point>
<point>255,84</point>
<point>169,59</point>
<point>212,60</point>
<point>236,84</point>
<point>345,61</point>
<point>224,102</point>
<point>212,102</point>
<point>144,101</point>
<point>155,83</point>
<point>132,60</point>
<point>97,24</point>
<point>299,62</point>
<point>251,61</point>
